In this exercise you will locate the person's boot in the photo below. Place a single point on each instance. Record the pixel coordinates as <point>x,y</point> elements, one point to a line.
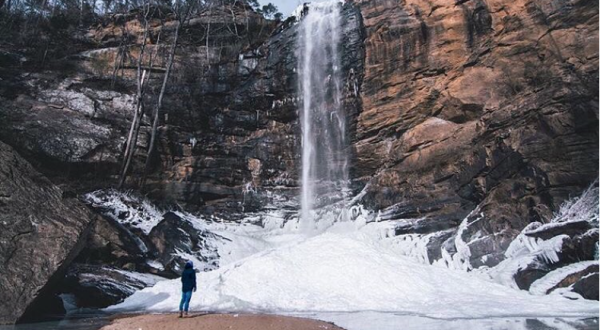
<point>180,314</point>
<point>186,314</point>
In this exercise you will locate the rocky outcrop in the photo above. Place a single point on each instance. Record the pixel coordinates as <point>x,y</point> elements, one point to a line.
<point>587,286</point>
<point>477,103</point>
<point>41,231</point>
<point>175,241</point>
<point>135,235</point>
<point>101,286</point>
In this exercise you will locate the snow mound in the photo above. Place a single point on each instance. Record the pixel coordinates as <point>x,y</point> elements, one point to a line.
<point>345,271</point>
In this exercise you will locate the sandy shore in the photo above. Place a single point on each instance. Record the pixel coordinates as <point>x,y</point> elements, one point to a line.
<point>217,322</point>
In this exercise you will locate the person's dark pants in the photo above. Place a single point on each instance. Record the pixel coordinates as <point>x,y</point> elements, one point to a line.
<point>185,301</point>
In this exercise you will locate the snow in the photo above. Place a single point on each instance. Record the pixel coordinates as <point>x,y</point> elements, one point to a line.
<point>584,207</point>
<point>345,269</point>
<point>526,250</point>
<point>147,279</point>
<point>541,286</point>
<point>126,209</point>
<point>360,275</point>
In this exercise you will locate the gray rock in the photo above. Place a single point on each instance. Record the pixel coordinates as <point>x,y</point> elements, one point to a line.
<point>587,286</point>
<point>40,233</point>
<point>101,286</point>
<point>176,240</point>
<point>71,100</point>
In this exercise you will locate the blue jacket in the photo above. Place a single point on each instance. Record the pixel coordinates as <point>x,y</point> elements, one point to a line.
<point>188,279</point>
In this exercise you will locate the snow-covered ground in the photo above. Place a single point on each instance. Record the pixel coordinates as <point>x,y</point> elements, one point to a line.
<point>349,268</point>
<point>360,275</point>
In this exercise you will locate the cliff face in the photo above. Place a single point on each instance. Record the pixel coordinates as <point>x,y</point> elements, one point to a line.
<point>230,135</point>
<point>477,112</point>
<point>477,104</point>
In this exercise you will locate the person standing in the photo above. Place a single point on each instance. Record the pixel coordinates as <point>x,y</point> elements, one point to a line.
<point>188,285</point>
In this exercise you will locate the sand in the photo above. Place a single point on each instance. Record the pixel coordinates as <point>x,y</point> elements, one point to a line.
<point>217,322</point>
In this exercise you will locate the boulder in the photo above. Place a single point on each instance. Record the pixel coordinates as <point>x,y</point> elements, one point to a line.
<point>587,286</point>
<point>137,235</point>
<point>96,286</point>
<point>571,228</point>
<point>531,272</point>
<point>582,278</point>
<point>41,232</point>
<point>565,279</point>
<point>111,244</point>
<point>176,240</point>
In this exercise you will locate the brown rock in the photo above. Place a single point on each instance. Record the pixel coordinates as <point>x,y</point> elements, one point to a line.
<point>477,103</point>
<point>587,286</point>
<point>577,278</point>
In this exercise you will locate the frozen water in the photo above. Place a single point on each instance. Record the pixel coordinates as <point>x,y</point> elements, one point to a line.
<point>394,321</point>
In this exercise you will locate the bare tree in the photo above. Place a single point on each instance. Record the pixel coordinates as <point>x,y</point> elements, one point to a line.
<point>139,104</point>
<point>182,18</point>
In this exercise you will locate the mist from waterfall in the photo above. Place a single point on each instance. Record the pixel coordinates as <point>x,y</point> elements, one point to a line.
<point>323,121</point>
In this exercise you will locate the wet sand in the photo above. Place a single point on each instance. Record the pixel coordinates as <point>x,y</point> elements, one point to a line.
<point>217,322</point>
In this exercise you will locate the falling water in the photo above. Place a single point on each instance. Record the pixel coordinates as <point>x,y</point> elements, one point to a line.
<point>323,122</point>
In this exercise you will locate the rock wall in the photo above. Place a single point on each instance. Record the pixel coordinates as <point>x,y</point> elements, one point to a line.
<point>487,104</point>
<point>229,139</point>
<point>41,231</point>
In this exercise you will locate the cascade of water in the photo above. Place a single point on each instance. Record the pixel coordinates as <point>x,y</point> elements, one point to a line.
<point>323,121</point>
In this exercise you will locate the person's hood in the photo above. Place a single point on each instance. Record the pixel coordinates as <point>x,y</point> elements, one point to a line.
<point>189,265</point>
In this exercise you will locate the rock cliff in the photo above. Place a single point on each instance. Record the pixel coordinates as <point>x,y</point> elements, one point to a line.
<point>487,104</point>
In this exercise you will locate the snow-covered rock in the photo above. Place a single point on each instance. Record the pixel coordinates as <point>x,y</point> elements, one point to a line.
<point>176,240</point>
<point>102,286</point>
<point>564,277</point>
<point>548,256</point>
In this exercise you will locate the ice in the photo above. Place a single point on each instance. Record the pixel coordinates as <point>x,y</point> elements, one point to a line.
<point>347,269</point>
<point>396,321</point>
<point>461,259</point>
<point>155,264</point>
<point>547,250</point>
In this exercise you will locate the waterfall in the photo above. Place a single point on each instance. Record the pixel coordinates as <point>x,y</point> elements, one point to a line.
<point>323,121</point>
